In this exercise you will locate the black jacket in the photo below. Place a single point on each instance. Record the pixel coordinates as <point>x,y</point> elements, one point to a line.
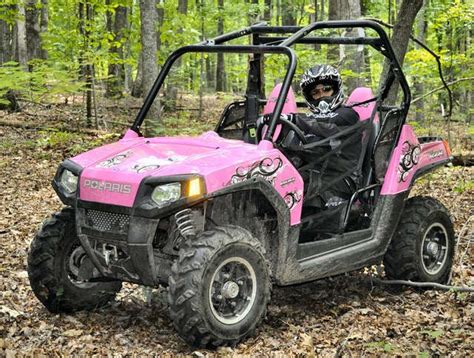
<point>335,164</point>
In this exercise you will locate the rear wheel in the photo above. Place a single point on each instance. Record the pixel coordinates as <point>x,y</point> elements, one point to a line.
<point>219,287</point>
<point>423,246</point>
<point>56,264</point>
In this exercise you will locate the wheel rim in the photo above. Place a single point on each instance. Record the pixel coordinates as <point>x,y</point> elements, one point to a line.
<point>233,290</point>
<point>76,259</point>
<point>434,248</point>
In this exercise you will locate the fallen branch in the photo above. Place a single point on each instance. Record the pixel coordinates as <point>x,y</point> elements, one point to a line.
<point>466,160</point>
<point>424,284</point>
<point>61,128</point>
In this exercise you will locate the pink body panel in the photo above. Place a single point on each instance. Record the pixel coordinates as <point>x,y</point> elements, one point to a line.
<point>112,174</point>
<point>408,157</point>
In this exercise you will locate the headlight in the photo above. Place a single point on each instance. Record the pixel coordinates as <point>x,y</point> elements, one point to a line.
<point>165,194</point>
<point>69,181</point>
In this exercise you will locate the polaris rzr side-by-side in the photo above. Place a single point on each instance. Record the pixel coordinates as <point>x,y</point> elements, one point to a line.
<point>219,218</point>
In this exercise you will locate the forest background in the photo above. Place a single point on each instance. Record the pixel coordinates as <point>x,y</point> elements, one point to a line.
<point>73,74</point>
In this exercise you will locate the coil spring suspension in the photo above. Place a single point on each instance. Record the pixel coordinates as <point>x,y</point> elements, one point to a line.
<point>185,223</point>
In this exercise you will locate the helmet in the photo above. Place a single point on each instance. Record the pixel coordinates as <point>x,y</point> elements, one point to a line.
<point>327,75</point>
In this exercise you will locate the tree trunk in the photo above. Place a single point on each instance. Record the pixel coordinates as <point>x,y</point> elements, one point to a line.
<point>267,13</point>
<point>33,29</point>
<point>172,90</point>
<point>289,14</point>
<point>128,77</point>
<point>116,68</point>
<point>278,12</point>
<point>220,67</point>
<point>210,71</point>
<point>44,20</point>
<point>314,18</point>
<point>137,87</point>
<point>253,15</point>
<point>418,82</point>
<point>149,17</point>
<point>5,48</point>
<point>183,6</point>
<point>85,19</point>
<point>351,57</point>
<point>22,50</point>
<point>401,35</point>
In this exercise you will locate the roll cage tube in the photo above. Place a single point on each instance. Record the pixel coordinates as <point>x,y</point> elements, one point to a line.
<point>225,49</point>
<point>386,48</point>
<point>281,45</point>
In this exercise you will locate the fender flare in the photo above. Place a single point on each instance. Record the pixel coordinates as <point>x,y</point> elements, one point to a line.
<point>275,199</point>
<point>428,168</point>
<point>286,241</point>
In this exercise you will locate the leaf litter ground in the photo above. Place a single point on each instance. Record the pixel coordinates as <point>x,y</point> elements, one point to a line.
<point>344,315</point>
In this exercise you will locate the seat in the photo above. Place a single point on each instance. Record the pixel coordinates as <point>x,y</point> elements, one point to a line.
<point>288,108</point>
<point>367,112</point>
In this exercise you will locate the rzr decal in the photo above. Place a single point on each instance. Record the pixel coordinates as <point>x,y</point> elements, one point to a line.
<point>265,169</point>
<point>435,154</point>
<point>410,157</point>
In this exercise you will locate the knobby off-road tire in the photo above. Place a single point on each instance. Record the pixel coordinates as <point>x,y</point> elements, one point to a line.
<point>219,288</point>
<point>422,248</point>
<point>54,261</point>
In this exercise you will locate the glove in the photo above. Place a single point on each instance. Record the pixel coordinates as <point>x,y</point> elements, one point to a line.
<point>266,118</point>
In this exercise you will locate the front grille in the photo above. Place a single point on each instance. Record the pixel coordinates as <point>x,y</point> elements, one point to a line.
<point>105,221</point>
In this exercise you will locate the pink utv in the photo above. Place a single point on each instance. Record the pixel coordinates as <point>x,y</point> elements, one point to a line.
<point>217,218</point>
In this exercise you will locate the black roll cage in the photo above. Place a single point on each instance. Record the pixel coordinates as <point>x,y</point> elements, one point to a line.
<point>279,44</point>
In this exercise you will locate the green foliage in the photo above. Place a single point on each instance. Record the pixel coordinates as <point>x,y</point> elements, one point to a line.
<point>45,81</point>
<point>387,347</point>
<point>448,31</point>
<point>9,11</point>
<point>56,139</point>
<point>433,334</point>
<point>464,185</point>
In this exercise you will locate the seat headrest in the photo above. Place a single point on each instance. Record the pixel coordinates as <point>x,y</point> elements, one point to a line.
<point>288,107</point>
<point>361,94</point>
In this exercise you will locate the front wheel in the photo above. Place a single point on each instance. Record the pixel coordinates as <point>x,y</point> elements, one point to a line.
<point>422,248</point>
<point>219,287</point>
<point>56,264</point>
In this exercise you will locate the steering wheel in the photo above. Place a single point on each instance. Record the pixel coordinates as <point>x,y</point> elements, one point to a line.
<point>290,126</point>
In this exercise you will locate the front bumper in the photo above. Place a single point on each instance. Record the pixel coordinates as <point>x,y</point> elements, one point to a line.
<point>119,228</point>
<point>129,234</point>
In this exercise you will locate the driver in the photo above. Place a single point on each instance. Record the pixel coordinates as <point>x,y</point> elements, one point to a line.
<point>330,182</point>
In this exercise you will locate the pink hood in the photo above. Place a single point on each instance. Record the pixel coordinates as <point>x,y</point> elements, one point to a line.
<point>112,173</point>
